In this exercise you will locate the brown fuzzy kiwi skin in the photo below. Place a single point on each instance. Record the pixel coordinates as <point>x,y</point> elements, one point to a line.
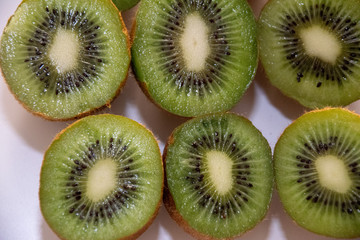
<point>90,111</point>
<point>170,206</point>
<point>152,218</point>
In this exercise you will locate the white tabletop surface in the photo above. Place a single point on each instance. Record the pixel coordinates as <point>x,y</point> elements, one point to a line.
<point>25,137</point>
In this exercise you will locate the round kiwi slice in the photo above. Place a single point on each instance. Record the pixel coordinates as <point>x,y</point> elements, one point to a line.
<point>317,172</point>
<point>64,59</point>
<point>194,57</point>
<point>101,178</point>
<point>219,177</point>
<point>310,50</point>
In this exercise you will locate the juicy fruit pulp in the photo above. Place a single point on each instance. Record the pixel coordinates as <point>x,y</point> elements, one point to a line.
<point>310,50</point>
<point>102,178</point>
<point>64,59</point>
<point>317,173</point>
<point>219,176</point>
<point>194,57</point>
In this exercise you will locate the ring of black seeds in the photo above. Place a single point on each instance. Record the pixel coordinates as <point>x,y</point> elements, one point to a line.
<point>90,56</point>
<point>346,30</point>
<point>79,204</point>
<point>224,206</point>
<point>310,151</point>
<point>171,59</point>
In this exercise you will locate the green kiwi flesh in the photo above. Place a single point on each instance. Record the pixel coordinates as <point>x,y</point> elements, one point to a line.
<point>101,178</point>
<point>123,5</point>
<point>219,176</point>
<point>64,59</point>
<point>194,57</point>
<point>310,50</point>
<point>317,172</point>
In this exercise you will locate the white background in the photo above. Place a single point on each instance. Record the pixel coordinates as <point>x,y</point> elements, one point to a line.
<point>24,139</point>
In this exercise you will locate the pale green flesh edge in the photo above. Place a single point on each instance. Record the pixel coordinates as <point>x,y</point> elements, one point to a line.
<point>56,167</point>
<point>283,76</point>
<point>25,87</point>
<point>261,169</point>
<point>158,84</point>
<point>317,218</point>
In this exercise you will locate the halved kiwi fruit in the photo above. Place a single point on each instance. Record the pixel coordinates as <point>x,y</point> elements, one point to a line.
<point>194,57</point>
<point>219,176</point>
<point>101,178</point>
<point>64,59</point>
<point>317,172</point>
<point>310,50</point>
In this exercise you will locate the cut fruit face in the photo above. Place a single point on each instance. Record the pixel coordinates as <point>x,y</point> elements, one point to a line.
<point>194,57</point>
<point>65,59</point>
<point>310,50</point>
<point>316,162</point>
<point>101,178</point>
<point>219,176</point>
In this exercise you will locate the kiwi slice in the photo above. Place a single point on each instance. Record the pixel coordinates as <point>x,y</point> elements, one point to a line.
<point>124,5</point>
<point>64,59</point>
<point>310,50</point>
<point>317,171</point>
<point>101,178</point>
<point>219,176</point>
<point>194,57</point>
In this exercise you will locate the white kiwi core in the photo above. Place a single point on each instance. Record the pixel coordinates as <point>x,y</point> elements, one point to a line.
<point>220,170</point>
<point>101,179</point>
<point>194,43</point>
<point>64,50</point>
<point>320,43</point>
<point>333,173</point>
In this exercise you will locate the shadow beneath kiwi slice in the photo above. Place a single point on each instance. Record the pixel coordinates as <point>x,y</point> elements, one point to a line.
<point>164,227</point>
<point>246,104</point>
<point>257,6</point>
<point>36,131</point>
<point>287,106</point>
<point>46,232</point>
<point>133,102</point>
<point>355,106</point>
<point>129,18</point>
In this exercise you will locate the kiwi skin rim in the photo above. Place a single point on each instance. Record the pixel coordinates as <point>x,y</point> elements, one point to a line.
<point>276,187</point>
<point>169,202</point>
<point>88,112</point>
<point>152,218</point>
